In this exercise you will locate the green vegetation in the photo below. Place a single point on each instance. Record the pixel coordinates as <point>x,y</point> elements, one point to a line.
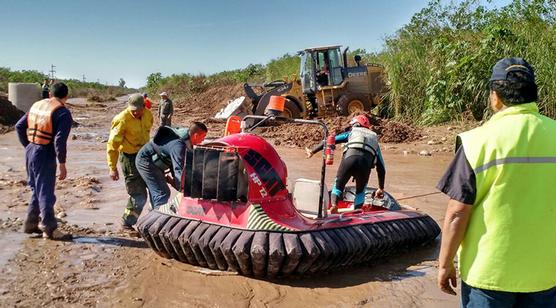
<point>283,67</point>
<point>7,75</point>
<point>92,90</point>
<point>438,65</point>
<point>286,66</point>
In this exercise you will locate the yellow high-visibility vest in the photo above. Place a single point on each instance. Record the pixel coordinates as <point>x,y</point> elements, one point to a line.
<point>510,243</point>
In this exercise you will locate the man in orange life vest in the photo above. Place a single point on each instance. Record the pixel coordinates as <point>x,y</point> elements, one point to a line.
<point>44,131</point>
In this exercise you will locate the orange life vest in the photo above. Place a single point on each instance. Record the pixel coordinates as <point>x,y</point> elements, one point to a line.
<point>39,121</point>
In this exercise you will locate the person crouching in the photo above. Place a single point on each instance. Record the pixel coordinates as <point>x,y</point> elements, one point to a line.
<point>166,152</point>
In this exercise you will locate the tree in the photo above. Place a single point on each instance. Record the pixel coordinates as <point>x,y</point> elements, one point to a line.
<point>122,83</point>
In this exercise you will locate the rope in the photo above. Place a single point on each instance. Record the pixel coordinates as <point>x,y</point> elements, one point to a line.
<point>419,196</point>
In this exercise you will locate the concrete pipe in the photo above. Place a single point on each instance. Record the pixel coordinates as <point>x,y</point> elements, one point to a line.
<point>23,95</point>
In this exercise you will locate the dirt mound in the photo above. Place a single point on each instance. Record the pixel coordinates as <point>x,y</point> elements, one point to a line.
<point>9,115</point>
<point>396,132</point>
<point>299,135</point>
<point>202,107</point>
<point>208,103</point>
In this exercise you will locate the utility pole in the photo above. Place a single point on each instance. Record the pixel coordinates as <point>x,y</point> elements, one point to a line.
<point>84,79</point>
<point>52,71</point>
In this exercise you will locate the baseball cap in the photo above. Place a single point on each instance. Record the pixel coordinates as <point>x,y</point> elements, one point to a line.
<point>163,94</point>
<point>504,66</point>
<point>136,101</point>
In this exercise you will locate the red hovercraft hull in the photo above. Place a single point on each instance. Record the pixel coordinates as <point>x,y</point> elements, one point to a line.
<point>235,213</point>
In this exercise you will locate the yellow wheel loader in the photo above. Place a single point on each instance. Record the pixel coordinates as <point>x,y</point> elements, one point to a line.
<point>327,86</point>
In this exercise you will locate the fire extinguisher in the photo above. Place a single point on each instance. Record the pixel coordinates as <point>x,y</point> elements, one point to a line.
<point>330,147</point>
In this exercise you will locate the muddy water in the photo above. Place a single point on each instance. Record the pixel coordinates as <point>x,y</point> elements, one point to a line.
<point>403,281</point>
<point>104,268</point>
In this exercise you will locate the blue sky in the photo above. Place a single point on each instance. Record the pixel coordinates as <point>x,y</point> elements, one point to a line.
<point>106,40</point>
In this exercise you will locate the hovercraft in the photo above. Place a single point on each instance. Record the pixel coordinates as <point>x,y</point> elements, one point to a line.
<point>234,213</point>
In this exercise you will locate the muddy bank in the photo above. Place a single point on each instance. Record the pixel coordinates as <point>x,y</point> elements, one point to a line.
<point>203,106</point>
<point>301,135</point>
<point>9,114</point>
<point>207,103</point>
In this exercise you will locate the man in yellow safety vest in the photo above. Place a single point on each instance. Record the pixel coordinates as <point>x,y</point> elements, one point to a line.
<point>502,208</point>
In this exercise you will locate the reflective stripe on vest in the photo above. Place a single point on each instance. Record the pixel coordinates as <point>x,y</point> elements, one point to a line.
<point>509,242</point>
<point>39,121</point>
<point>515,160</point>
<point>363,139</point>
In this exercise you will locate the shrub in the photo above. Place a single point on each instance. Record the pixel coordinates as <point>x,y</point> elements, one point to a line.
<point>438,65</point>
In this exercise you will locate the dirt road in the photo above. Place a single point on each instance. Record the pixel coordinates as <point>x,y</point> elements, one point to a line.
<point>105,268</point>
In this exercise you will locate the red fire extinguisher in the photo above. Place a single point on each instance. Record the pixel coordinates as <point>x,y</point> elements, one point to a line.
<point>330,147</point>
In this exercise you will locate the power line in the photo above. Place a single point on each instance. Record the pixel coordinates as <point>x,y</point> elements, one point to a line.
<point>52,71</point>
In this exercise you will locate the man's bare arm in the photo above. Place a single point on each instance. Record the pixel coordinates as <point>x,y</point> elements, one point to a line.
<point>453,231</point>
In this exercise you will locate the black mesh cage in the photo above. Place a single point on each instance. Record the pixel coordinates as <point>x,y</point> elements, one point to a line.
<point>214,174</point>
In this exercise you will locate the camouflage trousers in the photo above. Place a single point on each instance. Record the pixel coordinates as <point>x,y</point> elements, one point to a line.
<point>136,189</point>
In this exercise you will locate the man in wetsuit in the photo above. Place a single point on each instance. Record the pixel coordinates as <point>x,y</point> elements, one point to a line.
<point>361,155</point>
<point>166,151</point>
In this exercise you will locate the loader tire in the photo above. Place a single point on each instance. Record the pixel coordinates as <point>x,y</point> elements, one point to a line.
<point>350,104</point>
<point>291,110</point>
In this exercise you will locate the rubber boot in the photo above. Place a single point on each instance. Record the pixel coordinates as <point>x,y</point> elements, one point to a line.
<point>31,227</point>
<point>128,230</point>
<point>57,235</point>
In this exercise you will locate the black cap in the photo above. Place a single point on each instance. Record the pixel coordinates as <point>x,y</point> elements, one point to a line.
<point>503,67</point>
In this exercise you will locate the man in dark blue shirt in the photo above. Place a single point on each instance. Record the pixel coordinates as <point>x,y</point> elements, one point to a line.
<point>44,132</point>
<point>167,152</point>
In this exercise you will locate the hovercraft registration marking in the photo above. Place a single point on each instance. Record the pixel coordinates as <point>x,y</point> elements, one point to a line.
<point>265,172</point>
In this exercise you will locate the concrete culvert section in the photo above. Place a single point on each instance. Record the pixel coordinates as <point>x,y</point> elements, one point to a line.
<point>23,95</point>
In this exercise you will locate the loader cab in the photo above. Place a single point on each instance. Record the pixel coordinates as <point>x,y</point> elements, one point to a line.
<point>321,67</point>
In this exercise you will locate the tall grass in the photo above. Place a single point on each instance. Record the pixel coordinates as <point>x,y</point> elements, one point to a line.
<point>438,65</point>
<point>283,67</point>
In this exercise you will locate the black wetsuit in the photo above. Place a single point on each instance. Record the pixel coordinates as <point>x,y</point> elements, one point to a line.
<point>356,163</point>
